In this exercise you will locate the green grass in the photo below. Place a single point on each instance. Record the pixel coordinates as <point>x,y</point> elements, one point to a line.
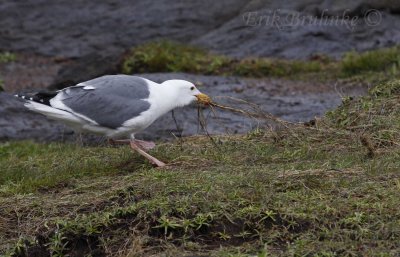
<point>26,165</point>
<point>330,189</point>
<point>167,56</point>
<point>375,61</point>
<point>6,57</point>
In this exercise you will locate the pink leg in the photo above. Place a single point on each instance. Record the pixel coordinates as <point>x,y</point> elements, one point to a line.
<point>146,145</point>
<point>152,160</point>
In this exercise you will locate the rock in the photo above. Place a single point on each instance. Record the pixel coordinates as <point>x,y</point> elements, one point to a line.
<point>75,29</point>
<point>91,37</point>
<point>29,71</point>
<point>17,122</point>
<point>332,7</point>
<point>305,28</point>
<point>97,30</point>
<point>85,68</point>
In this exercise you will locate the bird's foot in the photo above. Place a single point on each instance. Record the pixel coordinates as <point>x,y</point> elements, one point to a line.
<point>138,147</point>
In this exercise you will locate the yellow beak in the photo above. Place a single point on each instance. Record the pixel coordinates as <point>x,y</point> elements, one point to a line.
<point>203,99</point>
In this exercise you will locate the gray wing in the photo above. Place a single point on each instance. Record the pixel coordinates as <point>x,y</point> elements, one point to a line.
<point>109,100</point>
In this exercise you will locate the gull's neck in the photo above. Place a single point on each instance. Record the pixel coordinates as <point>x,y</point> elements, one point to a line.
<point>164,97</point>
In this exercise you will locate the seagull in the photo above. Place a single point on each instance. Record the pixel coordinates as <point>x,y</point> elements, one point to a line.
<point>115,106</point>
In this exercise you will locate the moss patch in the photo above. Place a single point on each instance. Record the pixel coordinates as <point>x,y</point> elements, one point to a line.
<point>167,56</point>
<point>7,57</point>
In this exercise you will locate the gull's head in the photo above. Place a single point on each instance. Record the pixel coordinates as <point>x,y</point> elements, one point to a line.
<point>186,92</point>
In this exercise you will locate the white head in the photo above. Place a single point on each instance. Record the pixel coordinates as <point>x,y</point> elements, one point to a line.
<point>183,92</point>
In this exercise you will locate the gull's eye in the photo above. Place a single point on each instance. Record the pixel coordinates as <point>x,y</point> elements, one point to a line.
<point>192,88</point>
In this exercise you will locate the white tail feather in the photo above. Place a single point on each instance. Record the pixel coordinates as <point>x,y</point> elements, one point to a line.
<point>68,118</point>
<point>54,113</point>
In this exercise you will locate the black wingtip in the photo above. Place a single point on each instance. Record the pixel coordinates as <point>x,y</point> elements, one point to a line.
<point>42,97</point>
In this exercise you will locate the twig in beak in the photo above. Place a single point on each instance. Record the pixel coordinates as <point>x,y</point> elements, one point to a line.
<point>178,128</point>
<point>203,125</point>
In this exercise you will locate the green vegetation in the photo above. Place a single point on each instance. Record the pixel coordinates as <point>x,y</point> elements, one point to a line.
<point>166,56</point>
<point>7,57</point>
<point>4,58</point>
<point>174,57</point>
<point>330,188</point>
<point>378,60</point>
